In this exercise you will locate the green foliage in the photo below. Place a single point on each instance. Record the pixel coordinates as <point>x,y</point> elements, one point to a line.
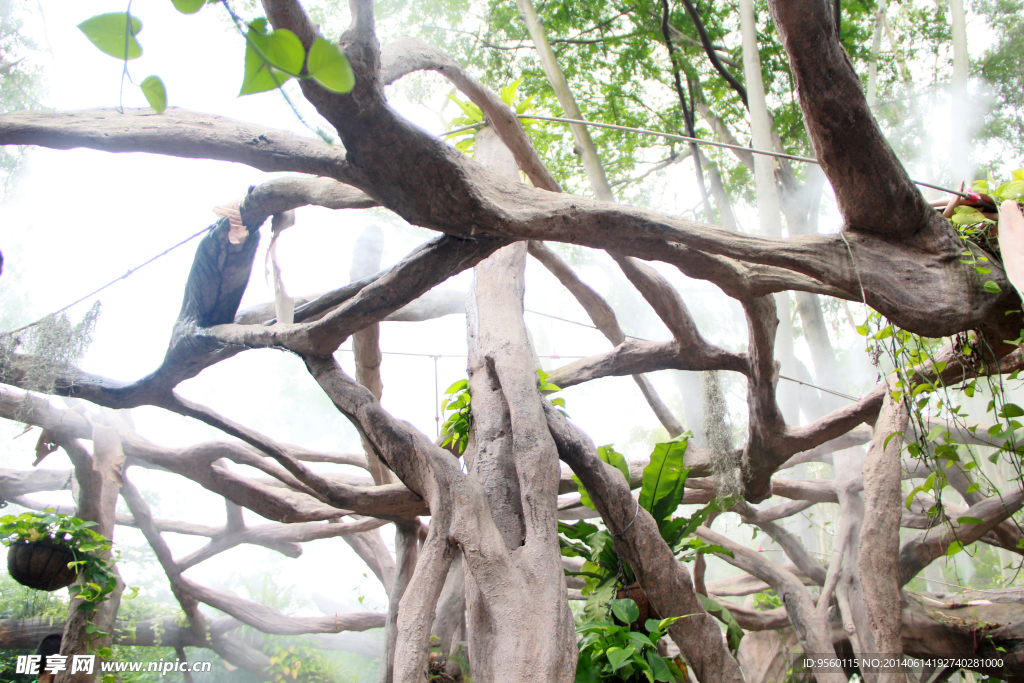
<point>270,58</point>
<point>302,664</point>
<point>919,386</point>
<point>456,426</point>
<point>767,599</point>
<point>472,115</point>
<point>1000,68</point>
<point>664,480</point>
<point>609,652</point>
<point>92,551</point>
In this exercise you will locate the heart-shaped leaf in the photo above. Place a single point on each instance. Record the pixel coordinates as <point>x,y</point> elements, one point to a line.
<point>329,66</point>
<point>626,610</point>
<point>114,34</point>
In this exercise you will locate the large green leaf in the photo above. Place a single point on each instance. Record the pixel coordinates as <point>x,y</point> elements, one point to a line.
<point>111,34</point>
<point>596,605</point>
<point>658,667</point>
<point>329,66</point>
<point>586,672</point>
<point>664,480</point>
<point>618,656</point>
<point>270,58</point>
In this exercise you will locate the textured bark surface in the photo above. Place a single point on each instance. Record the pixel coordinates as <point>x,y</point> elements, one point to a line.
<point>880,532</point>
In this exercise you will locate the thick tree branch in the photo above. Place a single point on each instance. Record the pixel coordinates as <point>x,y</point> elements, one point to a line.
<point>176,132</point>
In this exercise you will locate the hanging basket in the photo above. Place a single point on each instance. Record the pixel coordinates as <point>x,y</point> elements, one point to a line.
<point>42,565</point>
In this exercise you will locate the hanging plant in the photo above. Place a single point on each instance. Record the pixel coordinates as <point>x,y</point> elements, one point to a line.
<point>48,551</point>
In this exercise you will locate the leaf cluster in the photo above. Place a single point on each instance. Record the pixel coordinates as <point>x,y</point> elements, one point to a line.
<point>609,652</point>
<point>663,485</point>
<point>472,115</point>
<point>456,426</point>
<point>271,58</point>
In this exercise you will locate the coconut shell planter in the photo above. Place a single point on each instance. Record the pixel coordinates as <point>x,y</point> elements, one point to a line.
<point>42,565</point>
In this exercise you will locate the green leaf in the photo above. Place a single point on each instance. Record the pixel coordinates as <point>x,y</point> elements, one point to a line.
<point>733,631</point>
<point>156,94</point>
<point>1011,410</point>
<point>617,460</point>
<point>111,34</point>
<point>970,520</point>
<point>585,500</point>
<point>270,59</point>
<point>658,667</point>
<point>586,671</point>
<point>472,112</point>
<point>663,624</point>
<point>458,386</point>
<point>626,610</point>
<point>640,640</point>
<point>1011,190</point>
<point>618,656</point>
<point>188,6</point>
<point>991,287</point>
<point>508,93</point>
<point>885,444</point>
<point>329,66</point>
<point>664,480</point>
<point>954,548</point>
<point>284,50</point>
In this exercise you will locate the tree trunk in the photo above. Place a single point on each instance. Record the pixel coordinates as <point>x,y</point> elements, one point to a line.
<point>99,478</point>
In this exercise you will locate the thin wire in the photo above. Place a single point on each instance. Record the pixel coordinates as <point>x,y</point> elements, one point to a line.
<point>114,281</point>
<point>827,391</point>
<point>635,513</point>
<point>448,355</point>
<point>574,322</point>
<point>685,138</point>
<point>972,590</point>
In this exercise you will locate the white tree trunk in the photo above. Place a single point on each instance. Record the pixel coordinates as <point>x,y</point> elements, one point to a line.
<point>760,126</point>
<point>960,127</point>
<point>588,153</point>
<point>876,47</point>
